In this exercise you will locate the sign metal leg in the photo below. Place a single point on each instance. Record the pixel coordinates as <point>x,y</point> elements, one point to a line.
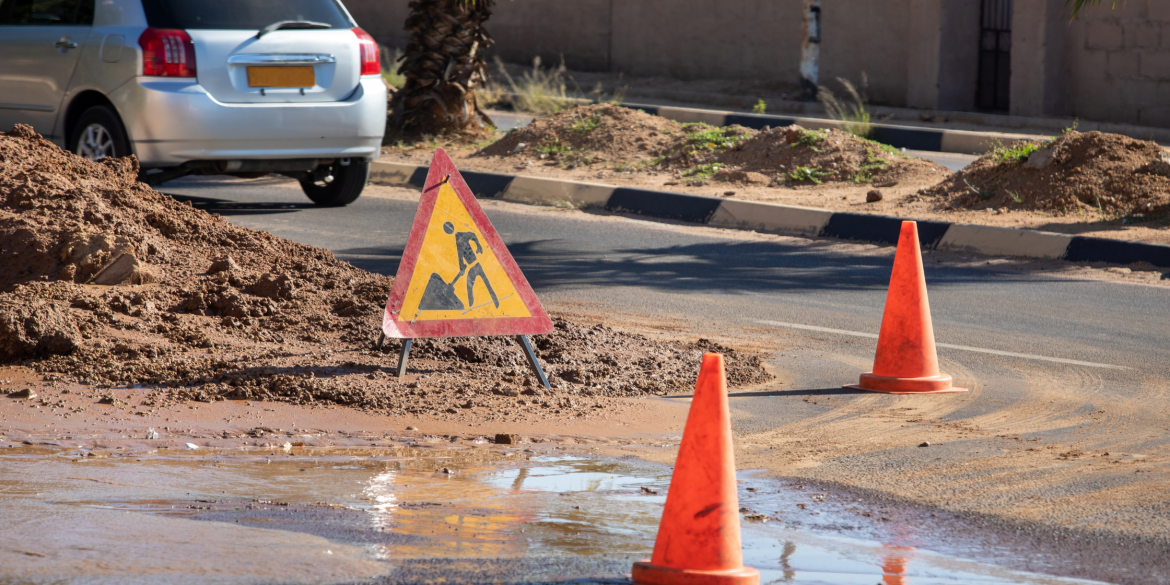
<point>532,359</point>
<point>402,357</point>
<point>381,340</point>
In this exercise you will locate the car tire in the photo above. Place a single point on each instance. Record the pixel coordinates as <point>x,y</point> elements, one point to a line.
<point>340,186</point>
<point>98,134</point>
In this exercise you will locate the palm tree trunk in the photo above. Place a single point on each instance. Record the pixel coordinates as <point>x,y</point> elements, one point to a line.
<point>443,63</point>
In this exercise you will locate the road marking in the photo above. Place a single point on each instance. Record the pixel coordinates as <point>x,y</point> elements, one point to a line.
<point>1026,356</point>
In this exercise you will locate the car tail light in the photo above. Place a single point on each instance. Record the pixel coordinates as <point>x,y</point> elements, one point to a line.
<point>167,52</point>
<point>369,53</point>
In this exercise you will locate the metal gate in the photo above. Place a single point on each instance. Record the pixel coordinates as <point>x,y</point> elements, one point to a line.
<point>993,91</point>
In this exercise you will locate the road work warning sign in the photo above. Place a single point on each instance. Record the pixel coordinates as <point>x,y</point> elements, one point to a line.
<point>457,278</point>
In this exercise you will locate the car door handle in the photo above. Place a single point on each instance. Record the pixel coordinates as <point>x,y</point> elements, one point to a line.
<point>65,44</point>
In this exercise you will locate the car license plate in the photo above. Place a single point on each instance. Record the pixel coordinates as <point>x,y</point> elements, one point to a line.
<point>281,77</point>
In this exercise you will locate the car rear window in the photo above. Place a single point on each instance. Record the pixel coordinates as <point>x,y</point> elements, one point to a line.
<point>46,12</point>
<point>240,14</point>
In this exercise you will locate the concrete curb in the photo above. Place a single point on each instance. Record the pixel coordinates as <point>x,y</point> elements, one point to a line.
<point>908,137</point>
<point>787,220</point>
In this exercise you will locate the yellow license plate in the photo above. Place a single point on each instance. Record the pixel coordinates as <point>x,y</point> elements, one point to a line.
<point>281,77</point>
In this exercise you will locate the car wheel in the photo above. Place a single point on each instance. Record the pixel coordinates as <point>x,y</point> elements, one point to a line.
<point>337,184</point>
<point>98,135</point>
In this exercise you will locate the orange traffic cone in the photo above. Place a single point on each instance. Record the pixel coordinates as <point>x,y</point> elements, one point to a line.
<point>906,361</point>
<point>698,538</point>
<point>894,565</point>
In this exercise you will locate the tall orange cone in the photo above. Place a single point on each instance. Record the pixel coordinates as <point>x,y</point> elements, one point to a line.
<point>906,361</point>
<point>698,539</point>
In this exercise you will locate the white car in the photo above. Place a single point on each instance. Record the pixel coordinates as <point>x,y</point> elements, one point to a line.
<point>236,87</point>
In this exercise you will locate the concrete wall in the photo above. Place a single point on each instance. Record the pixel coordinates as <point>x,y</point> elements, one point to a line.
<point>1119,64</point>
<point>863,36</point>
<point>704,39</point>
<point>1109,65</point>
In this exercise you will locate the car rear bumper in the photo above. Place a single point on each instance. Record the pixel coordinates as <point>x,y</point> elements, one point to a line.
<point>171,122</point>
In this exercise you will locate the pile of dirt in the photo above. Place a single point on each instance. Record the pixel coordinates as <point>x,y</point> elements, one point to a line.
<point>794,155</point>
<point>1075,173</point>
<point>105,282</point>
<point>592,134</point>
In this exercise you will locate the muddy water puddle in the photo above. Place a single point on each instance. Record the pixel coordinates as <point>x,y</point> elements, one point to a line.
<point>407,515</point>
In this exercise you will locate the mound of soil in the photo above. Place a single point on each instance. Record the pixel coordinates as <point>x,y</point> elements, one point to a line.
<point>795,155</point>
<point>1075,173</point>
<point>105,282</point>
<point>584,135</point>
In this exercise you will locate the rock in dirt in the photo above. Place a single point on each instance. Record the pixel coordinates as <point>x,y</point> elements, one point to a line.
<point>25,393</point>
<point>274,286</point>
<point>126,269</point>
<point>507,439</point>
<point>35,329</point>
<point>224,264</point>
<point>873,196</point>
<point>924,444</point>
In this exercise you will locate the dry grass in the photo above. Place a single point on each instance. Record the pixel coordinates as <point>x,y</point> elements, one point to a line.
<point>851,109</point>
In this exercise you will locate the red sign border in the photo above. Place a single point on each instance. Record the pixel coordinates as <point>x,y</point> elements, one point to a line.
<point>537,323</point>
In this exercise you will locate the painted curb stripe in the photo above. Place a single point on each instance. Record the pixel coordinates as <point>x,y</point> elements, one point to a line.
<point>692,208</point>
<point>789,219</point>
<point>1083,249</point>
<point>881,229</point>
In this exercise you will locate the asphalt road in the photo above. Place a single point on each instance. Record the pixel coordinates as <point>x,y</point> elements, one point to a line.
<point>736,284</point>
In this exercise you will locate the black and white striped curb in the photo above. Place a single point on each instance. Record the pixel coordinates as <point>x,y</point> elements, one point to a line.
<point>908,137</point>
<point>785,219</point>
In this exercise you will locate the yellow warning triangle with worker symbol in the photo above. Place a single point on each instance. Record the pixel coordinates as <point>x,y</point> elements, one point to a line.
<point>456,277</point>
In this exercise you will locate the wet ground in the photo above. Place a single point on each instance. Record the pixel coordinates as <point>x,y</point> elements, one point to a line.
<point>404,510</point>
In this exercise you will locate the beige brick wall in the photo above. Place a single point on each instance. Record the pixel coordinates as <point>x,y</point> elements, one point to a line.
<point>1121,63</point>
<point>1109,65</point>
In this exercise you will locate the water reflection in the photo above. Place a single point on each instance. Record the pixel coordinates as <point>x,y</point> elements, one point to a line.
<point>465,508</point>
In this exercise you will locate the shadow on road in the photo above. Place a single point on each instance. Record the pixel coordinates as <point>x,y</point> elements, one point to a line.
<point>225,207</point>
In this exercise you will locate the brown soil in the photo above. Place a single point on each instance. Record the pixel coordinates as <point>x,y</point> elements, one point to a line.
<point>607,136</point>
<point>829,155</point>
<point>202,309</point>
<point>1079,172</point>
<point>586,135</point>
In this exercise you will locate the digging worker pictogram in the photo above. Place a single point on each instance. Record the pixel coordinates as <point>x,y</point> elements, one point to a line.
<point>440,294</point>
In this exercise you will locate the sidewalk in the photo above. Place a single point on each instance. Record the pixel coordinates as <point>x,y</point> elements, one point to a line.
<point>739,96</point>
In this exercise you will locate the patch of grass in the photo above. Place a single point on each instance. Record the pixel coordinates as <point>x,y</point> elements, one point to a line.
<point>702,136</point>
<point>703,172</point>
<point>813,174</point>
<point>539,91</point>
<point>811,138</point>
<point>760,107</point>
<point>565,204</point>
<point>1015,195</point>
<point>554,148</point>
<point>850,110</point>
<point>391,61</point>
<point>1016,153</point>
<point>585,125</point>
<point>886,148</point>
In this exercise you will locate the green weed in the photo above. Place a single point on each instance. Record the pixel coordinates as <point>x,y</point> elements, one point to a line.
<point>1015,195</point>
<point>1017,153</point>
<point>390,65</point>
<point>886,148</point>
<point>850,110</point>
<point>585,125</point>
<point>703,172</point>
<point>702,136</point>
<point>813,174</point>
<point>540,91</point>
<point>760,107</point>
<point>811,138</point>
<point>554,148</point>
